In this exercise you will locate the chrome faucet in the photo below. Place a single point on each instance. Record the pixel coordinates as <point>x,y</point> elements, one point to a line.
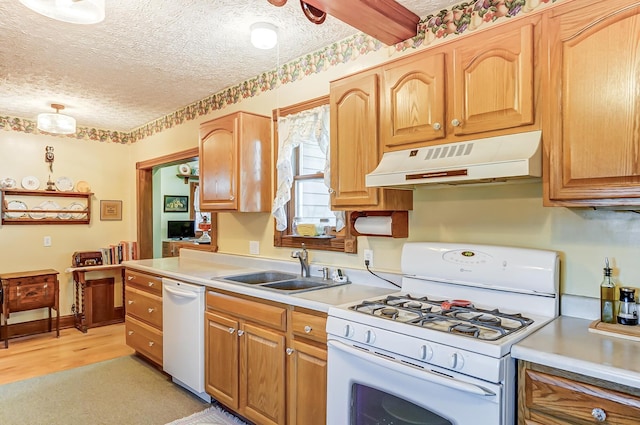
<point>303,256</point>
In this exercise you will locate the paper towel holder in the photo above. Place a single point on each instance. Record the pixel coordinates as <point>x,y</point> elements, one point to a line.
<point>399,222</point>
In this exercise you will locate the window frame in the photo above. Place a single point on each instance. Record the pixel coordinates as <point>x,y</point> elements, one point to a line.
<point>344,241</point>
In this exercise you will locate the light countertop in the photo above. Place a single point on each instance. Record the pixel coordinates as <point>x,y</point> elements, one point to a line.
<point>566,343</point>
<point>203,268</point>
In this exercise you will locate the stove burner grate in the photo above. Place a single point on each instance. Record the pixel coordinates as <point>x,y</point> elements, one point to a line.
<point>469,321</point>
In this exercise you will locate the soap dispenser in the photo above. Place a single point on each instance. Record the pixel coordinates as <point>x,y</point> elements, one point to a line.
<point>607,296</point>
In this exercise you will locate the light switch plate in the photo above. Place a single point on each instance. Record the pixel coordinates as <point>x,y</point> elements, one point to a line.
<point>47,241</point>
<point>254,247</point>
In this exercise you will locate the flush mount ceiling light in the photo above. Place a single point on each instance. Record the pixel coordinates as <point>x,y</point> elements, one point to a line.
<point>264,35</point>
<point>56,123</point>
<point>72,11</point>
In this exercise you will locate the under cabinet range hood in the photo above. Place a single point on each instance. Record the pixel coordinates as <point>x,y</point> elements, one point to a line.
<point>491,160</point>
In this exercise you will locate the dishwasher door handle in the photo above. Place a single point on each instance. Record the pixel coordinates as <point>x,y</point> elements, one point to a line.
<point>181,294</point>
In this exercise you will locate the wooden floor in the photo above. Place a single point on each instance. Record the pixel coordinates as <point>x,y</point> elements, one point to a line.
<point>41,354</point>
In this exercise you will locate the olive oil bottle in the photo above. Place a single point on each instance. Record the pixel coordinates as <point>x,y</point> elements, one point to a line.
<point>607,296</point>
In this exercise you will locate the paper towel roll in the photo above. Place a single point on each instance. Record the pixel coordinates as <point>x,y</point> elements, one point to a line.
<point>373,225</point>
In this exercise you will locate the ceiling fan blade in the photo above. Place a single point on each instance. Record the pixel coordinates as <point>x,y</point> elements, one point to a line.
<point>312,13</point>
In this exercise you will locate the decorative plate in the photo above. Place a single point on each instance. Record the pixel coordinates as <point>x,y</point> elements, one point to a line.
<point>83,186</point>
<point>36,215</point>
<point>30,183</point>
<point>64,215</point>
<point>77,207</point>
<point>50,205</point>
<point>15,205</point>
<point>184,169</point>
<point>64,184</point>
<point>8,183</point>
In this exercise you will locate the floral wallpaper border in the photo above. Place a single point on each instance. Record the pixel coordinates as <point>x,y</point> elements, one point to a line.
<point>461,18</point>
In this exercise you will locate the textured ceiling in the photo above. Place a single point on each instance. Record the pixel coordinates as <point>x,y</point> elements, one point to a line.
<point>149,58</point>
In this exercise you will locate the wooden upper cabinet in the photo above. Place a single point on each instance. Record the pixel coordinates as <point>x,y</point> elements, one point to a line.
<point>413,100</point>
<point>592,128</point>
<point>355,149</point>
<point>235,163</point>
<point>493,80</point>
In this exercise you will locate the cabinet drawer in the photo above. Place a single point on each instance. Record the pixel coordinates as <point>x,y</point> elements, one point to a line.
<point>27,294</point>
<point>309,326</point>
<point>144,281</point>
<point>254,311</point>
<point>144,339</point>
<point>144,306</point>
<point>570,401</point>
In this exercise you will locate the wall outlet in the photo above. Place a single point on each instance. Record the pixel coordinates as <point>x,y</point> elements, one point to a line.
<point>254,247</point>
<point>47,241</point>
<point>368,256</point>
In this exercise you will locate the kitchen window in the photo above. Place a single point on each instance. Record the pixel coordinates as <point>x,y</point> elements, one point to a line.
<point>301,206</point>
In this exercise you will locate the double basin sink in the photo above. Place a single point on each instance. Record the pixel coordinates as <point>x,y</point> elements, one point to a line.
<point>281,282</point>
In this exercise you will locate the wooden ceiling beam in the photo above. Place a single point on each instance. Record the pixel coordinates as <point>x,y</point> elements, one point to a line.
<point>385,20</point>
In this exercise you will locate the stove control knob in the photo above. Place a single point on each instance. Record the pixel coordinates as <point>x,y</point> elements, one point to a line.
<point>426,352</point>
<point>348,331</point>
<point>457,361</point>
<point>369,337</point>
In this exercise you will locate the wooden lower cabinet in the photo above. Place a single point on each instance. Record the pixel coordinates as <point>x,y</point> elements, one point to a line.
<point>548,396</point>
<point>307,369</point>
<point>245,357</point>
<point>143,320</point>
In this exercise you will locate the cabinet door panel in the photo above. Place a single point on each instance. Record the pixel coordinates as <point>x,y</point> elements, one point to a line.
<point>413,101</point>
<point>218,156</point>
<point>262,374</point>
<point>221,359</point>
<point>354,140</point>
<point>596,143</point>
<point>493,81</point>
<point>307,384</point>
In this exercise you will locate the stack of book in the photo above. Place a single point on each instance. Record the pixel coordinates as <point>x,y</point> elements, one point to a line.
<point>123,251</point>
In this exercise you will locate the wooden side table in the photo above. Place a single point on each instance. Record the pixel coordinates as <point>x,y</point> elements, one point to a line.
<point>79,277</point>
<point>30,290</point>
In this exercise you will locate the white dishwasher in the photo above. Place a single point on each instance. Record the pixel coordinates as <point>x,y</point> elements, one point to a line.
<point>183,334</point>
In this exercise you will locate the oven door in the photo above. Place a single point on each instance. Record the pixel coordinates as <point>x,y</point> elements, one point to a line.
<point>367,388</point>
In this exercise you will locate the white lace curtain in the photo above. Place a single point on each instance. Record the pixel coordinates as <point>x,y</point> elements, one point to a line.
<point>311,125</point>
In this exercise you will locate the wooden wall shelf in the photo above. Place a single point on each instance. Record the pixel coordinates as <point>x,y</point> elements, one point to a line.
<point>34,214</point>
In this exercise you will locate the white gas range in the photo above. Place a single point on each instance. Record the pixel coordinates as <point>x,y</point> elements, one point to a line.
<point>438,351</point>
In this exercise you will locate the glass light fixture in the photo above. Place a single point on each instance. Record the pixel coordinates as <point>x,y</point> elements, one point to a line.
<point>264,35</point>
<point>72,11</point>
<point>56,123</point>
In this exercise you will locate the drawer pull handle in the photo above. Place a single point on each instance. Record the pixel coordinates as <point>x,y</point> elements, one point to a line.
<point>455,122</point>
<point>599,414</point>
<point>151,310</point>
<point>130,302</point>
<point>151,343</point>
<point>130,332</point>
<point>307,329</point>
<point>231,330</point>
<point>240,332</point>
<point>289,351</point>
<point>45,285</point>
<point>437,126</point>
<point>151,283</point>
<point>129,277</point>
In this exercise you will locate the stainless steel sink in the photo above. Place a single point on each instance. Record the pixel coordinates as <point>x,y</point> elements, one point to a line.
<point>261,277</point>
<point>298,284</point>
<point>273,280</point>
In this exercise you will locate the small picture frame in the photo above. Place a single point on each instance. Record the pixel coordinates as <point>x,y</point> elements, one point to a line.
<point>174,203</point>
<point>110,210</point>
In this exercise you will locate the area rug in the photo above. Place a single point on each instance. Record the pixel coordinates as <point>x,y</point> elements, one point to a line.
<point>122,391</point>
<point>211,416</point>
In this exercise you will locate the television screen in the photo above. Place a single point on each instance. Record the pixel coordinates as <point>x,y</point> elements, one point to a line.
<point>181,229</point>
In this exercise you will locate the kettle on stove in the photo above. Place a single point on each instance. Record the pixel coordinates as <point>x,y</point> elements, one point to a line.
<point>628,312</point>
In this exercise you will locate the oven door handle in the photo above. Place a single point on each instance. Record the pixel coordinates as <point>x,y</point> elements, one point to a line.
<point>402,368</point>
